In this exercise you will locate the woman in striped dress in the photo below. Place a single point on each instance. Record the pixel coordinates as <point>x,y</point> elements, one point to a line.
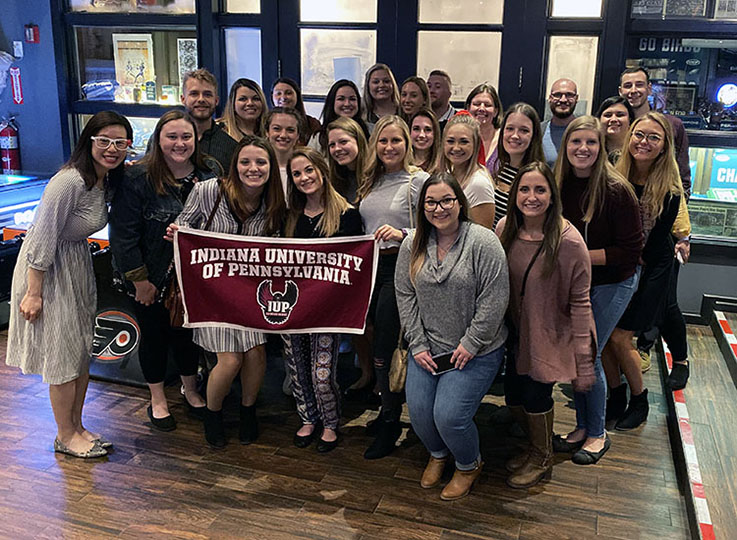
<point>249,201</point>
<point>53,296</point>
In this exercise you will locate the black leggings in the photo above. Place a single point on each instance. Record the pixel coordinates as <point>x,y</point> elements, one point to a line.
<point>522,390</point>
<point>157,336</point>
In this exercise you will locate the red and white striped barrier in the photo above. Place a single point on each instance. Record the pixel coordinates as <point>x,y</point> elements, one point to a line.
<point>701,508</point>
<point>728,334</point>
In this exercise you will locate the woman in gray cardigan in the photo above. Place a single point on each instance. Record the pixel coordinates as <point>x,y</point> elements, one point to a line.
<point>452,291</point>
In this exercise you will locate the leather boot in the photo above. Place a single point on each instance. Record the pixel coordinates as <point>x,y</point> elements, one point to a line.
<point>518,413</point>
<point>461,483</point>
<point>248,428</point>
<point>386,439</point>
<point>636,412</point>
<point>539,464</point>
<point>214,429</point>
<point>616,403</point>
<point>433,472</point>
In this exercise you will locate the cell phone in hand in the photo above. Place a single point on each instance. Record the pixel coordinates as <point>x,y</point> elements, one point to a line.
<point>443,363</point>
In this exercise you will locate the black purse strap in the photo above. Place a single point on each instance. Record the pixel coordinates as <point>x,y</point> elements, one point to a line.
<point>527,272</point>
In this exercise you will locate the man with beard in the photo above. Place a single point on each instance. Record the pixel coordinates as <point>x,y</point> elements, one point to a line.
<point>200,98</point>
<point>439,84</point>
<point>562,100</point>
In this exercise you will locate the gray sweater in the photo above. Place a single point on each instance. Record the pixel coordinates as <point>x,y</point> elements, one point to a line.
<point>461,300</point>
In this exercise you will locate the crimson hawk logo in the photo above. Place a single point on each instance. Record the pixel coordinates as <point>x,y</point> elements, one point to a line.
<point>277,306</point>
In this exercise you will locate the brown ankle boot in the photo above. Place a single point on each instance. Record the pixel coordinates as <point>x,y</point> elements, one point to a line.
<point>461,483</point>
<point>433,472</point>
<point>538,466</point>
<point>514,463</point>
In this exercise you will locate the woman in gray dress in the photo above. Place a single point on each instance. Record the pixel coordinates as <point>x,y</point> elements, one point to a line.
<point>53,297</point>
<point>249,201</point>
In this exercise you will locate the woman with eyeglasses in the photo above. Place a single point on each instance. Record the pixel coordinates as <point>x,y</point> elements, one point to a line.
<point>388,197</point>
<point>154,193</point>
<point>650,166</point>
<point>550,276</point>
<point>616,115</point>
<point>244,109</point>
<point>285,92</point>
<point>380,94</point>
<point>427,140</point>
<point>601,204</point>
<point>53,296</point>
<point>520,143</point>
<point>461,143</point>
<point>452,289</point>
<point>485,106</point>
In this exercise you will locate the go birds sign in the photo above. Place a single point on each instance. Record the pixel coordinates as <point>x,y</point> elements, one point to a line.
<point>279,285</point>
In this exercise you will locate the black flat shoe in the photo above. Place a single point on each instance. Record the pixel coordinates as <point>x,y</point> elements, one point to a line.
<point>584,457</point>
<point>562,446</point>
<point>327,446</point>
<point>303,441</point>
<point>162,424</point>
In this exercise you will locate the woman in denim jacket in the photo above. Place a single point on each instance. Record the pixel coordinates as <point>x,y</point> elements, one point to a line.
<point>151,197</point>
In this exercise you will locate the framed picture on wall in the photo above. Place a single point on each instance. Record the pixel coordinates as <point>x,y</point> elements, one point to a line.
<point>186,56</point>
<point>134,59</point>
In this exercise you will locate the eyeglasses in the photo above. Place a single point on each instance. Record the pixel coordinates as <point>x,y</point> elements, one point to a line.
<point>445,204</point>
<point>560,95</point>
<point>104,143</point>
<point>652,138</point>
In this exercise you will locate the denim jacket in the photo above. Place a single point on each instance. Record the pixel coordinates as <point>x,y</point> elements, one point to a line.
<point>138,220</point>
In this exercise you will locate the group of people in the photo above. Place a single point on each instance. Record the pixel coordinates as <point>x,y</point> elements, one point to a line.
<point>541,249</point>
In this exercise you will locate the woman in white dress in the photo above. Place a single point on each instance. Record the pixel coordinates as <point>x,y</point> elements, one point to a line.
<point>54,296</point>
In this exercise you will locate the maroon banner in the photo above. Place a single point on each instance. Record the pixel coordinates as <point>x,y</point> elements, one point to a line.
<point>278,285</point>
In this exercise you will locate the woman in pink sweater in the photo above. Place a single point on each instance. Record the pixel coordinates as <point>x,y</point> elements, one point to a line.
<point>550,319</point>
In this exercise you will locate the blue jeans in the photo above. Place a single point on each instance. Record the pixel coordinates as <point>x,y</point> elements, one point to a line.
<point>442,407</point>
<point>608,303</point>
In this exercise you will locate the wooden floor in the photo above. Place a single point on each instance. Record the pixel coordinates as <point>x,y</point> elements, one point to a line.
<point>172,485</point>
<point>711,399</point>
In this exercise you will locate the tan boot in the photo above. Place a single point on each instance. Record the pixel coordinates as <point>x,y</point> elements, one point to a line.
<point>433,472</point>
<point>539,464</point>
<point>518,412</point>
<point>461,483</point>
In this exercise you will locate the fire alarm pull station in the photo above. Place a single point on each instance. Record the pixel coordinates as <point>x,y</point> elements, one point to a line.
<point>32,33</point>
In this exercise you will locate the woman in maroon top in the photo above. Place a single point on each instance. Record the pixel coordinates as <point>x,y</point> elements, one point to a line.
<point>549,276</point>
<point>601,205</point>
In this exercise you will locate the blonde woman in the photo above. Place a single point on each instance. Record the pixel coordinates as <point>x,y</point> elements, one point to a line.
<point>380,94</point>
<point>347,149</point>
<point>461,143</point>
<point>244,109</point>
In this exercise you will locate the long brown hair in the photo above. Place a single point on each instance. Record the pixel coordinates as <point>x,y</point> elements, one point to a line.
<point>230,118</point>
<point>553,224</point>
<point>424,90</point>
<point>431,163</point>
<point>374,166</point>
<point>603,176</point>
<point>534,151</point>
<point>486,88</point>
<point>81,158</point>
<point>157,170</point>
<point>339,174</point>
<point>272,196</point>
<point>663,177</point>
<point>333,202</point>
<point>424,227</point>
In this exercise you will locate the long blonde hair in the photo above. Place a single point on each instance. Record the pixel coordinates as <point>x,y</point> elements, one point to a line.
<point>339,175</point>
<point>603,176</point>
<point>374,166</point>
<point>368,100</point>
<point>663,177</point>
<point>334,203</point>
<point>465,171</point>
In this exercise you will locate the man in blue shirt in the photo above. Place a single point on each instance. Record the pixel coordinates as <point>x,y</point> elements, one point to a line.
<point>562,100</point>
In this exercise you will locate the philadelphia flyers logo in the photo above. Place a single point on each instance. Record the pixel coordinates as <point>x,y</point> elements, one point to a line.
<point>277,306</point>
<point>116,334</point>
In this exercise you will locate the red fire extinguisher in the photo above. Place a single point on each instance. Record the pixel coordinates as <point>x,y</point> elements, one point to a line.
<point>9,146</point>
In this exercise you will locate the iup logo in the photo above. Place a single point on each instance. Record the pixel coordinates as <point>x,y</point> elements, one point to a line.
<point>116,334</point>
<point>277,306</point>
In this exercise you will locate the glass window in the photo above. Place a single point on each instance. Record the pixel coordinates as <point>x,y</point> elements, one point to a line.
<point>243,6</point>
<point>726,9</point>
<point>669,8</point>
<point>126,6</point>
<point>576,8</point>
<point>442,50</point>
<point>329,55</point>
<point>694,79</point>
<point>338,11</point>
<point>461,11</point>
<point>145,66</point>
<point>243,54</point>
<point>573,57</point>
<point>142,130</point>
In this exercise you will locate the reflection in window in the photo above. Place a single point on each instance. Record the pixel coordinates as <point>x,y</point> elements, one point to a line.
<point>329,55</point>
<point>145,66</point>
<point>573,57</point>
<point>461,11</point>
<point>243,51</point>
<point>669,8</point>
<point>726,9</point>
<point>126,6</point>
<point>576,8</point>
<point>713,205</point>
<point>338,11</point>
<point>243,6</point>
<point>480,52</point>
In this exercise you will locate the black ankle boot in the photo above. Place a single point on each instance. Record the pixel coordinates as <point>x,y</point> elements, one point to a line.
<point>385,441</point>
<point>617,402</point>
<point>678,377</point>
<point>248,430</point>
<point>214,430</point>
<point>635,414</point>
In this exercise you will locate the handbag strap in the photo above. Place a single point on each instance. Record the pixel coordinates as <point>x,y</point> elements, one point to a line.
<point>409,204</point>
<point>527,272</point>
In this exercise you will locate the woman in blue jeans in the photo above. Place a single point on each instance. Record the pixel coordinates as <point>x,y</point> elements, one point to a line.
<point>452,290</point>
<point>602,206</point>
